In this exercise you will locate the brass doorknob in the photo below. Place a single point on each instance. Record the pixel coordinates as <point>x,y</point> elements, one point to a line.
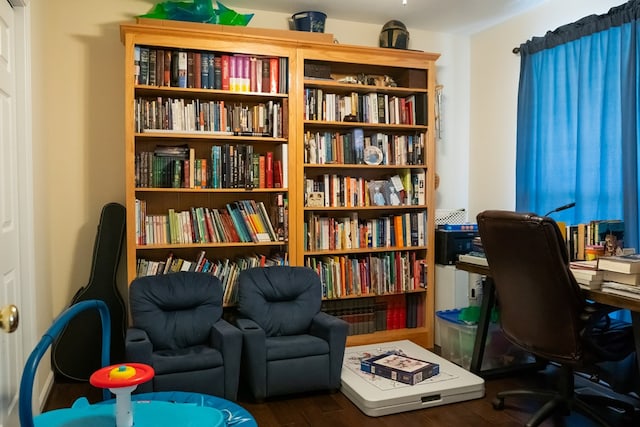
<point>9,318</point>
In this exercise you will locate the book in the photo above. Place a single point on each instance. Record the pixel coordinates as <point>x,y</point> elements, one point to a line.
<point>398,367</point>
<point>624,278</point>
<point>588,278</point>
<point>621,289</point>
<point>629,264</point>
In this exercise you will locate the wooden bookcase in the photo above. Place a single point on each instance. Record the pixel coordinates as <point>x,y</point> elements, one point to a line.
<point>371,245</point>
<point>409,155</point>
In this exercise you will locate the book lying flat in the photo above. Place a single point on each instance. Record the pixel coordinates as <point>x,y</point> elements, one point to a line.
<point>629,264</point>
<point>621,289</point>
<point>587,275</point>
<point>627,279</point>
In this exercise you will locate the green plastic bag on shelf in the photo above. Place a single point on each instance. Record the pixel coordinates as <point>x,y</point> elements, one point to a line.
<point>198,11</point>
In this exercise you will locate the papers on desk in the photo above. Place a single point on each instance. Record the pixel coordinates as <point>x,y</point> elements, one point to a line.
<point>628,291</point>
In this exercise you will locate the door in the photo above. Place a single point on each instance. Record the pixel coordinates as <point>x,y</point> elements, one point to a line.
<point>11,345</point>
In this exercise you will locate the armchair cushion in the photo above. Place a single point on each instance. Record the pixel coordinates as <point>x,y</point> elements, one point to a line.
<point>282,300</point>
<point>178,311</point>
<point>186,359</point>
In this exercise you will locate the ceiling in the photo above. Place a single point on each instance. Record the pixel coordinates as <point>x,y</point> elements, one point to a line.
<point>448,16</point>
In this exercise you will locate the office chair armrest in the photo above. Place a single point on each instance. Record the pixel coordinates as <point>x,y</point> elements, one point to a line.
<point>138,347</point>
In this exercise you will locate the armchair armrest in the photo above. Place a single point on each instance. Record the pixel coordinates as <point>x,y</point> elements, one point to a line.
<point>254,355</point>
<point>228,340</point>
<point>333,330</point>
<point>330,328</point>
<point>138,347</point>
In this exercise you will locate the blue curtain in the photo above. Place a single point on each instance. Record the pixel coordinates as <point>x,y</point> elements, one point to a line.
<point>577,132</point>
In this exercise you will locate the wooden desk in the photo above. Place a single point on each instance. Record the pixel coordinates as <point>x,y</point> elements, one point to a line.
<point>489,300</point>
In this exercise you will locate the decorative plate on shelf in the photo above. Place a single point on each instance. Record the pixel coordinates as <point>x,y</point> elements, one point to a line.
<point>372,155</point>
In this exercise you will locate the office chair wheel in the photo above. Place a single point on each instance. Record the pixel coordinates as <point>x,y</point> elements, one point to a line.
<point>498,404</point>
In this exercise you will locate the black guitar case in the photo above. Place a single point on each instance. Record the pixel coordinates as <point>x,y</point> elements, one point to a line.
<point>76,353</point>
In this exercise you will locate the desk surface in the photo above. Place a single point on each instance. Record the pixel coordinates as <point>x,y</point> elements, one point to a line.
<point>596,295</point>
<point>488,302</point>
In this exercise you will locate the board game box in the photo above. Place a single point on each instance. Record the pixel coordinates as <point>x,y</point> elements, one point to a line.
<point>398,367</point>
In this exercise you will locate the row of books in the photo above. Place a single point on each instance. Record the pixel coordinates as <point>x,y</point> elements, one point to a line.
<point>332,190</point>
<point>180,115</point>
<point>229,166</point>
<point>366,315</point>
<point>349,148</point>
<point>609,234</point>
<point>618,274</point>
<point>227,270</point>
<point>365,107</point>
<point>371,274</point>
<point>241,221</point>
<point>403,230</point>
<point>210,70</point>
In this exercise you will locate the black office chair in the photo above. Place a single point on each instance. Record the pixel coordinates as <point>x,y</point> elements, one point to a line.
<point>542,310</point>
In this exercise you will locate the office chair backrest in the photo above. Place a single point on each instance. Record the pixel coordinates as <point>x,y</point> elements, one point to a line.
<point>177,310</point>
<point>540,302</point>
<point>282,300</point>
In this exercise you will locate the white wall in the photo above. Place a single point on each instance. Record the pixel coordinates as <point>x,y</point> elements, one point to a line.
<point>494,87</point>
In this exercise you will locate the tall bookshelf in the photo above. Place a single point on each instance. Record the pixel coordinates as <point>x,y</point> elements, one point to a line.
<point>158,190</point>
<point>366,158</point>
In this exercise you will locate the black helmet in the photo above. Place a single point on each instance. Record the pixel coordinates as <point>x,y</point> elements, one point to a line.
<point>394,34</point>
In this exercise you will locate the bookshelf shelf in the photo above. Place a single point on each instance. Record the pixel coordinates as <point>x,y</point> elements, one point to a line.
<point>146,90</point>
<point>365,250</point>
<point>210,245</point>
<point>350,87</point>
<point>402,82</point>
<point>243,191</point>
<point>152,135</point>
<point>364,208</point>
<point>312,124</point>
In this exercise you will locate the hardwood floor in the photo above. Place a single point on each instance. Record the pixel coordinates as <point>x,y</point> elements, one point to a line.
<point>335,410</point>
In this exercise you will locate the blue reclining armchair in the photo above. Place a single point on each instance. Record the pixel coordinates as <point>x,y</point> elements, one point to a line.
<point>178,330</point>
<point>289,345</point>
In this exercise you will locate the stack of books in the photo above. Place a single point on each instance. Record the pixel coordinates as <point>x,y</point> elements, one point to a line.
<point>587,274</point>
<point>621,275</point>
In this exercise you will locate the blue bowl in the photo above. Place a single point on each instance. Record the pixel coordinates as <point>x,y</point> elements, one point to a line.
<point>311,21</point>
